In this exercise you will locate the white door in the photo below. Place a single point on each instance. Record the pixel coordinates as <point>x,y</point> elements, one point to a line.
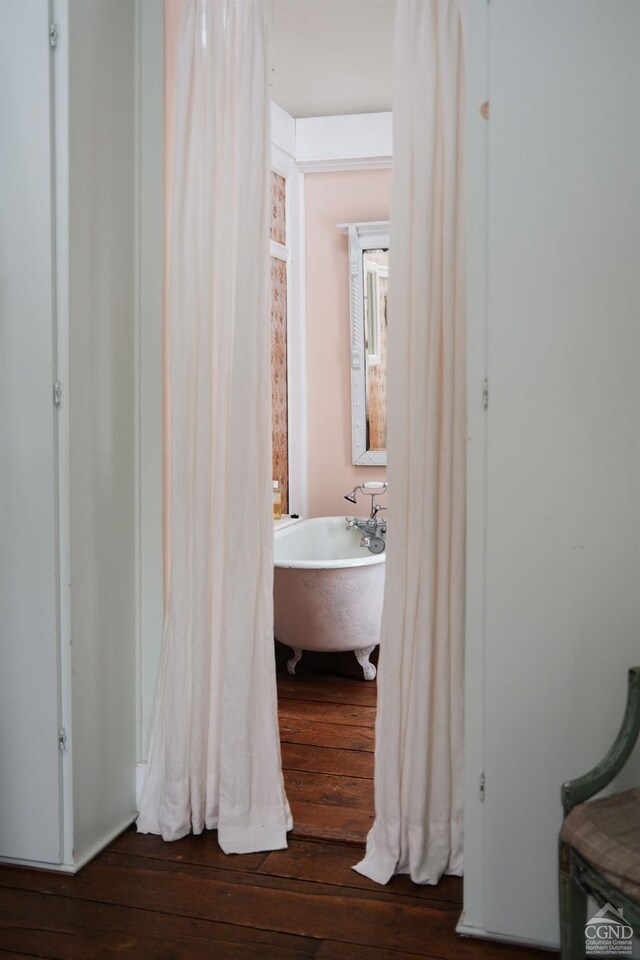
<point>563,453</point>
<point>29,710</point>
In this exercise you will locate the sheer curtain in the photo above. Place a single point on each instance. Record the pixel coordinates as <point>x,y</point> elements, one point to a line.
<point>419,737</point>
<point>215,753</point>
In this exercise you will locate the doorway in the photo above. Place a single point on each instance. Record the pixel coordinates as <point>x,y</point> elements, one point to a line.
<point>331,97</point>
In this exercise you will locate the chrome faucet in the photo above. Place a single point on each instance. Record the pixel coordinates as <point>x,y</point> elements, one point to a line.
<point>374,528</point>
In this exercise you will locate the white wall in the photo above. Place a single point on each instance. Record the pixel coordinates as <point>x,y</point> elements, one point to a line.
<point>352,142</point>
<point>101,145</point>
<point>67,468</point>
<point>30,804</point>
<point>151,234</point>
<point>560,564</point>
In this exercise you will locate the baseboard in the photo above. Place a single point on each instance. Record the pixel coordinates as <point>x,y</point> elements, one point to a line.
<point>468,930</point>
<point>39,865</point>
<point>104,841</point>
<point>89,854</point>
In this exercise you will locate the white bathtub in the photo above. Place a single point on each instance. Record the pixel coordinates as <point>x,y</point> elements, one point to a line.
<point>328,590</point>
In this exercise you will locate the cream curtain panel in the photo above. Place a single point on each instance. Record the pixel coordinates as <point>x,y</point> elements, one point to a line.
<point>419,731</point>
<point>215,753</point>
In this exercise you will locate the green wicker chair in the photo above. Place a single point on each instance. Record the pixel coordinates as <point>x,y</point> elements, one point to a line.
<point>600,840</point>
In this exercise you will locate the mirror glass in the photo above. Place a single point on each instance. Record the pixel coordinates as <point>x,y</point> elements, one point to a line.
<point>375,269</point>
<point>369,288</point>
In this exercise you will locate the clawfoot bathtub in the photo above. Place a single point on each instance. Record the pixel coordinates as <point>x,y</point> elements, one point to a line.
<point>328,590</point>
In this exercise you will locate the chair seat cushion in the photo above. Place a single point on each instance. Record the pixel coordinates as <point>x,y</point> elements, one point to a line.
<point>606,833</point>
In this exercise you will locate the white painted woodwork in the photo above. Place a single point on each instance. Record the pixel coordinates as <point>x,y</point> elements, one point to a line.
<point>561,502</point>
<point>476,23</point>
<point>293,253</point>
<point>30,808</point>
<point>283,130</point>
<point>101,164</point>
<point>67,648</point>
<point>354,142</point>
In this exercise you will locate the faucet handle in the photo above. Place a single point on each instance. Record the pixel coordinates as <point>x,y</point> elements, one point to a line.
<point>377,507</point>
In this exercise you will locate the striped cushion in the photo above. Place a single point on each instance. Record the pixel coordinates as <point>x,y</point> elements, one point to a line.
<point>607,834</point>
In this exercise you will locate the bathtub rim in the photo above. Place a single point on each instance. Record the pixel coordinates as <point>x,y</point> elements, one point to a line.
<point>346,563</point>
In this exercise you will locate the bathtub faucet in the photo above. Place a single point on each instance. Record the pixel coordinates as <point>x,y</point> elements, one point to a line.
<point>374,528</point>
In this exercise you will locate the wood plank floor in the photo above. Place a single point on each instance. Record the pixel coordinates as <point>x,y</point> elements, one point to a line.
<point>327,736</point>
<point>149,900</point>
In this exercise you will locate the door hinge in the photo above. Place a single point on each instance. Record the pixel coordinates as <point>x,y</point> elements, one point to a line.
<point>62,738</point>
<point>57,393</point>
<point>485,394</point>
<point>481,782</point>
<point>53,34</point>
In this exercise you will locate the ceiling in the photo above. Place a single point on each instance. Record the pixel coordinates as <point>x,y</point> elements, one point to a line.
<point>332,56</point>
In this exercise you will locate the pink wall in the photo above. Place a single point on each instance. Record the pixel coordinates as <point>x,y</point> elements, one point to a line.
<point>333,198</point>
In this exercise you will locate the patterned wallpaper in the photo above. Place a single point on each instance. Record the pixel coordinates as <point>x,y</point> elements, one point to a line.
<point>279,402</point>
<point>278,208</point>
<point>279,410</point>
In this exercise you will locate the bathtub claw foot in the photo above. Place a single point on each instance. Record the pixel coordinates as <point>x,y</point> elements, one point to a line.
<point>362,656</point>
<point>291,664</point>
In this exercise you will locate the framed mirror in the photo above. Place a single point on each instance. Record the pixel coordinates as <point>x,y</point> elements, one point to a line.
<point>368,285</point>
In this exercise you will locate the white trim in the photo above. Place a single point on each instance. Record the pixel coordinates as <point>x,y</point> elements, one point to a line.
<point>370,235</point>
<point>339,164</point>
<point>299,468</point>
<point>468,930</point>
<point>73,867</point>
<point>358,141</point>
<point>476,23</point>
<point>366,138</point>
<point>104,841</point>
<point>285,521</point>
<point>283,130</point>
<point>60,92</point>
<point>137,348</point>
<point>279,251</point>
<point>293,254</point>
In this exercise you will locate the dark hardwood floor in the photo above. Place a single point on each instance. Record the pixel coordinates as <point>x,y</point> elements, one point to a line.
<point>327,734</point>
<point>149,900</point>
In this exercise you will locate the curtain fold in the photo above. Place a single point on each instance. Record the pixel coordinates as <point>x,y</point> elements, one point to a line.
<point>215,752</point>
<point>419,725</point>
